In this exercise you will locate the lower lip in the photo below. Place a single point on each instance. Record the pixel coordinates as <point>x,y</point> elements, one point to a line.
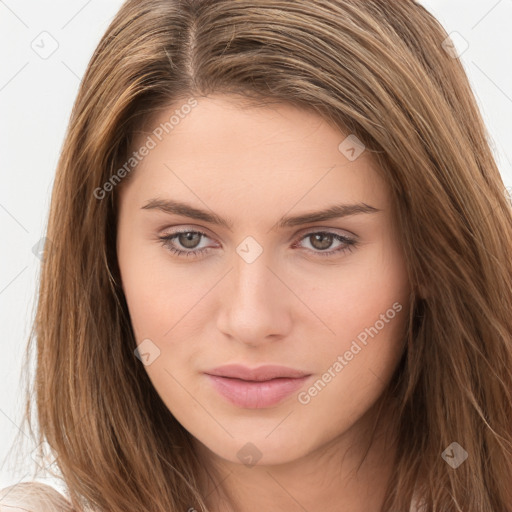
<point>256,395</point>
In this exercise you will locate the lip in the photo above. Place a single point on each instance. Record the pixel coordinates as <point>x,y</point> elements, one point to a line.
<point>256,388</point>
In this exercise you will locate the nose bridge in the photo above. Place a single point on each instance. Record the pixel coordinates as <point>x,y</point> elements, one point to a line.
<point>255,306</point>
<point>252,278</point>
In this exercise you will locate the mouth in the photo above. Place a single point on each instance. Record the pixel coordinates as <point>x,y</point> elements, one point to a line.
<point>256,388</point>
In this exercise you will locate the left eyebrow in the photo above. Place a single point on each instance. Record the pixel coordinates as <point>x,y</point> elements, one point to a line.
<point>187,210</point>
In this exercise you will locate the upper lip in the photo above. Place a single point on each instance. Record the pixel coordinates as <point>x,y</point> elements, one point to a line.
<point>261,373</point>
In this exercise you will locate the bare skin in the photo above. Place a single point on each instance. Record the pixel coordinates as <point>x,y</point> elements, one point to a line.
<point>291,305</point>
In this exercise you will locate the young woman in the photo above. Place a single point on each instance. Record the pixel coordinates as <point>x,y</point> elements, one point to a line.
<point>278,274</point>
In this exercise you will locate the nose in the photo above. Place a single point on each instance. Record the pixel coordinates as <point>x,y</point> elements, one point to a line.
<point>255,307</point>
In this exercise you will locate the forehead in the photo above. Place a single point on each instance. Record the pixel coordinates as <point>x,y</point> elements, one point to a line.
<point>226,151</point>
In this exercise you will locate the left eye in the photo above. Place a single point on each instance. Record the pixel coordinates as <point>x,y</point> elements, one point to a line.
<point>319,240</point>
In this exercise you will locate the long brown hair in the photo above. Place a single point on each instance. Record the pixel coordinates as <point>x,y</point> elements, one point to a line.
<point>378,70</point>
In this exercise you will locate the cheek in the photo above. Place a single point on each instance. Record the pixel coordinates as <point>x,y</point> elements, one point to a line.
<point>166,304</point>
<point>158,293</point>
<point>365,305</point>
<point>353,296</point>
<point>355,364</point>
<point>161,308</point>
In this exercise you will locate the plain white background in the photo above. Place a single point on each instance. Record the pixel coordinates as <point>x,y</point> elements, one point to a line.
<point>37,91</point>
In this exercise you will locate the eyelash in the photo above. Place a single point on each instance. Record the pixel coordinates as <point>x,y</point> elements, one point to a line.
<point>350,244</point>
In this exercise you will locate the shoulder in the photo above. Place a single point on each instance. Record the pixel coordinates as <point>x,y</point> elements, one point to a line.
<point>33,497</point>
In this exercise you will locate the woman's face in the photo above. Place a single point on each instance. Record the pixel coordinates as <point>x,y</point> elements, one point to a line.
<point>277,267</point>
